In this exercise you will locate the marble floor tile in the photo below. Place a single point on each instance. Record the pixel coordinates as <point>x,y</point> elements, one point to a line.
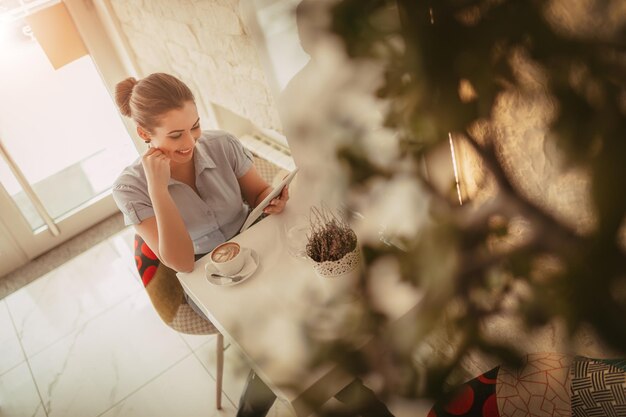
<point>186,389</point>
<point>61,301</point>
<point>235,374</point>
<point>235,368</point>
<point>18,394</point>
<point>59,255</point>
<point>106,359</point>
<point>196,341</point>
<point>11,353</point>
<point>122,242</point>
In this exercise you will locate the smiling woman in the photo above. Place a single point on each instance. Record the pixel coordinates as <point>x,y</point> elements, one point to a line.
<point>186,194</point>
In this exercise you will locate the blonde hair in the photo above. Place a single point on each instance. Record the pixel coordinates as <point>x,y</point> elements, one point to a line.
<point>146,100</point>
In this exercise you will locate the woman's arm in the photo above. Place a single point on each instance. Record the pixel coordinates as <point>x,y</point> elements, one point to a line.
<point>255,189</point>
<point>165,233</point>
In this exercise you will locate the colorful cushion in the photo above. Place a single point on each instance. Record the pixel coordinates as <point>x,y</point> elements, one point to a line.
<point>474,398</point>
<point>539,388</point>
<point>166,293</point>
<point>547,385</point>
<point>598,387</point>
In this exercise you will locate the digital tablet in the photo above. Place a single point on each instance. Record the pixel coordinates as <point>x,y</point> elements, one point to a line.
<point>258,210</point>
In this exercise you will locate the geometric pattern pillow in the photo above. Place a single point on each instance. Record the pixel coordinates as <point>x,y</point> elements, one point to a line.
<point>540,387</point>
<point>598,387</point>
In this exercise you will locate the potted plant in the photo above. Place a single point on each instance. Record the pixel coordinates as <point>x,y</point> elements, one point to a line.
<point>333,249</point>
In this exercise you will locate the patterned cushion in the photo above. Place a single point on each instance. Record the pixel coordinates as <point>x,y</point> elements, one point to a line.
<point>166,294</point>
<point>474,398</point>
<point>266,169</point>
<point>598,387</point>
<point>547,385</point>
<point>539,388</point>
<point>188,321</point>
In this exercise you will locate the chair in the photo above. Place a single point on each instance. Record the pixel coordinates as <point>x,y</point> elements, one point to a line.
<point>168,299</point>
<point>266,169</point>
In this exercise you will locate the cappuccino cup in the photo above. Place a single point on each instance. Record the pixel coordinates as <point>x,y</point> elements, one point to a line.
<point>228,258</point>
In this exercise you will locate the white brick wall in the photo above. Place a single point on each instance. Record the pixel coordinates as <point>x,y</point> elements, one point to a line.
<point>207,45</point>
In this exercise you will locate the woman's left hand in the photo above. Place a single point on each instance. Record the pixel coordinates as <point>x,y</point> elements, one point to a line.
<point>278,204</point>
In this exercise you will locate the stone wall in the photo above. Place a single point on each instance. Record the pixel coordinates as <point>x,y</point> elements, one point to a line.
<point>208,45</point>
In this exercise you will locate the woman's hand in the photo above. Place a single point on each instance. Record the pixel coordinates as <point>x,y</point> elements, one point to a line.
<point>278,204</point>
<point>157,167</point>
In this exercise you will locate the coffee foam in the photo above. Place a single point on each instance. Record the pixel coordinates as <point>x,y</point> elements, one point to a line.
<point>225,252</point>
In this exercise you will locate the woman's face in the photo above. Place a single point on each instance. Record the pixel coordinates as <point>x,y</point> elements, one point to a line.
<point>177,133</point>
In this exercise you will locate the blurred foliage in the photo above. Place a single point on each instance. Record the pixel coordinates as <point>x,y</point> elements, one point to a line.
<point>445,63</point>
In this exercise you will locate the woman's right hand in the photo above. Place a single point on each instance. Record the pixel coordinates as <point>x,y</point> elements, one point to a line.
<point>157,168</point>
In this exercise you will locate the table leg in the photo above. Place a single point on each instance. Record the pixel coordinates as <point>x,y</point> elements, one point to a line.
<point>220,369</point>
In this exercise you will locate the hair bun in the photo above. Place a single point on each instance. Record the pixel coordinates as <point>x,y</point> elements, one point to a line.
<point>123,93</point>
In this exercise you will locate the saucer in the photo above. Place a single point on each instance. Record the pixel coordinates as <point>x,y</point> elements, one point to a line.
<point>249,267</point>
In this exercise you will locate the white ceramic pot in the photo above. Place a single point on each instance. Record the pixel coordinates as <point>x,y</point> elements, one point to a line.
<point>340,278</point>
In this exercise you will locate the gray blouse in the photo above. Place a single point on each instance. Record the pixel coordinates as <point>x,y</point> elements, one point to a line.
<point>214,216</point>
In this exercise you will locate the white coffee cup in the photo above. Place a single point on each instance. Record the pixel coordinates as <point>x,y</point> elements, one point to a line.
<point>228,258</point>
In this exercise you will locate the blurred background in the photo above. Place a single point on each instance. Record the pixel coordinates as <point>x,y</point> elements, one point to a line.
<point>479,144</point>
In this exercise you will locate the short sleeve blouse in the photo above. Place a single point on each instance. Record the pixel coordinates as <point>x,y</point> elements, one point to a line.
<point>217,213</point>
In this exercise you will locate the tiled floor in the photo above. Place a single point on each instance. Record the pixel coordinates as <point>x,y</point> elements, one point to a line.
<point>84,341</point>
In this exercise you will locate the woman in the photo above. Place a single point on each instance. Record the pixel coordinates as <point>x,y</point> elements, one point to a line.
<point>186,195</point>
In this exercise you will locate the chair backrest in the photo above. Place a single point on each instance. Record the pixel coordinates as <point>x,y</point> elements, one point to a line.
<point>266,169</point>
<point>166,294</point>
<point>145,260</point>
